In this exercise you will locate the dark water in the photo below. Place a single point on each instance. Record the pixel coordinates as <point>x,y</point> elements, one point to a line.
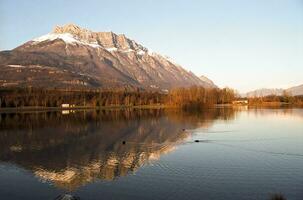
<point>241,154</point>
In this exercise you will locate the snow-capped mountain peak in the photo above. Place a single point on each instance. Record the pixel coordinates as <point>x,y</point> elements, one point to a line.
<point>100,59</point>
<point>72,34</point>
<point>66,37</point>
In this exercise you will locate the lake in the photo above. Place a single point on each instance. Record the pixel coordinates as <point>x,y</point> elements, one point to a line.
<point>221,153</point>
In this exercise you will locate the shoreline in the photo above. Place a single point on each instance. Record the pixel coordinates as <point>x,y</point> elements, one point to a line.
<point>275,104</point>
<point>81,108</point>
<point>78,108</point>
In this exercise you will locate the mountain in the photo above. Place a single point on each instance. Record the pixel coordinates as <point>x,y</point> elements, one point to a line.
<point>297,90</point>
<point>294,91</point>
<point>207,81</point>
<point>73,57</point>
<point>265,92</point>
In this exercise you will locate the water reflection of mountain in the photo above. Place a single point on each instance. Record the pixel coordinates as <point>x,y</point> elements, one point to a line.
<point>72,150</point>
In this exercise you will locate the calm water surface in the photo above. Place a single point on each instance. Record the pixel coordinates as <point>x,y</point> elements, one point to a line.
<point>241,154</point>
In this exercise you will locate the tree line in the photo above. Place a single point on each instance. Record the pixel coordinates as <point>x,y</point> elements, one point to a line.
<point>285,98</point>
<point>192,97</point>
<point>199,97</point>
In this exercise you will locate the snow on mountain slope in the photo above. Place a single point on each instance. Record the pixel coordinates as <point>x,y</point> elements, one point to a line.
<point>66,37</point>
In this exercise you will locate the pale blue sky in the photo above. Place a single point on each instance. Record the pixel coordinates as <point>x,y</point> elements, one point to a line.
<point>244,44</point>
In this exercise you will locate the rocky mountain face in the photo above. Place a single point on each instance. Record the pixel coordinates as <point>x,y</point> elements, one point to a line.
<point>207,81</point>
<point>73,57</point>
<point>294,91</point>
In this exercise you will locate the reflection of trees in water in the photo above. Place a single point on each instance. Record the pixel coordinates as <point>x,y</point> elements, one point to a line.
<point>75,149</point>
<point>277,111</point>
<point>200,118</point>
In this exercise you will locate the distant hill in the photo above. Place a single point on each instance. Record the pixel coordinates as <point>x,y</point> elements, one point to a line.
<point>294,91</point>
<point>297,90</point>
<point>264,92</point>
<point>73,57</point>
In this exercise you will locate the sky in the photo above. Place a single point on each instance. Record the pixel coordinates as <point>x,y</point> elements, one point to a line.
<point>243,44</point>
